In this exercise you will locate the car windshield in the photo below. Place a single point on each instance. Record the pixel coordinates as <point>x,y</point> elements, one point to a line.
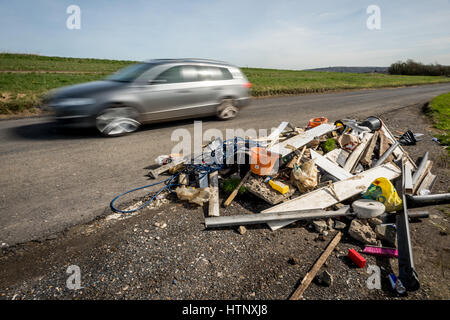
<point>130,73</point>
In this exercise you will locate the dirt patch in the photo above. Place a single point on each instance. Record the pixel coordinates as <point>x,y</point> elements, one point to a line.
<point>138,258</point>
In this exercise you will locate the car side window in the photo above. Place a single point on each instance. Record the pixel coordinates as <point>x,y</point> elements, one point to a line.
<point>214,73</point>
<point>171,75</point>
<point>226,74</point>
<point>190,73</point>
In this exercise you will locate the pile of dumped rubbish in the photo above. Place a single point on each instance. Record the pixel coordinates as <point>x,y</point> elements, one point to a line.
<point>351,176</point>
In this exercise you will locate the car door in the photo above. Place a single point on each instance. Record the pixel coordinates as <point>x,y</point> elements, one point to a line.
<point>214,82</point>
<point>169,94</point>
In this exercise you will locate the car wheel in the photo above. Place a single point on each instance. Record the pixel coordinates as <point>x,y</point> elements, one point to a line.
<point>117,121</point>
<point>226,110</point>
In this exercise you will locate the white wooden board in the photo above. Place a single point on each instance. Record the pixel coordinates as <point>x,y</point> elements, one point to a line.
<point>329,166</point>
<point>324,197</point>
<point>301,139</point>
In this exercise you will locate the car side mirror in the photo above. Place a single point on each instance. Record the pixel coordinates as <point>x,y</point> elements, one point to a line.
<point>154,81</point>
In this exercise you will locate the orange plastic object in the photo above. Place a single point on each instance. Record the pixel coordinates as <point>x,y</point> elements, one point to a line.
<point>316,122</point>
<point>263,162</point>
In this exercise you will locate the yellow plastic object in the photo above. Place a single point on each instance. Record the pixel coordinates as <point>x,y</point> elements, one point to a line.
<point>263,162</point>
<point>383,190</point>
<point>279,186</point>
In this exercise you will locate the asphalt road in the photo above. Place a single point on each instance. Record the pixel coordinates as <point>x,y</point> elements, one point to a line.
<point>53,178</point>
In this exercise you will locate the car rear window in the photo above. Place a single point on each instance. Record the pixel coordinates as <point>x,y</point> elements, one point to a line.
<point>214,73</point>
<point>192,73</point>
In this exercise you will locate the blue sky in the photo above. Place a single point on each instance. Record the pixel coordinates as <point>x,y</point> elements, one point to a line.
<point>288,34</point>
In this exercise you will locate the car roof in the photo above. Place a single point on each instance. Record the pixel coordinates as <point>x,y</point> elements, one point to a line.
<point>190,60</point>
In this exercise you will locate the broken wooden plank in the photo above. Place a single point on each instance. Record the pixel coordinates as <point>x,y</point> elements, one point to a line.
<point>329,166</point>
<point>353,158</point>
<point>154,173</point>
<point>298,293</point>
<point>323,198</point>
<point>235,191</point>
<point>333,154</point>
<point>427,168</point>
<point>275,133</point>
<point>338,155</point>
<point>427,183</point>
<point>407,175</point>
<point>213,209</point>
<point>301,139</point>
<point>261,189</point>
<point>258,218</point>
<point>368,153</point>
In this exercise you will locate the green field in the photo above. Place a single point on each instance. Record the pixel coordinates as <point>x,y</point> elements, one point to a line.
<point>25,78</point>
<point>439,110</point>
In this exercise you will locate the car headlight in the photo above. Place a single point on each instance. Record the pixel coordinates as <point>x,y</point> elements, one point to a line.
<point>72,102</point>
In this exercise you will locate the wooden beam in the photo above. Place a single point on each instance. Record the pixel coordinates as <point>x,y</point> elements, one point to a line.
<point>258,218</point>
<point>426,168</point>
<point>298,293</point>
<point>427,183</point>
<point>323,198</point>
<point>353,158</point>
<point>213,209</point>
<point>330,167</point>
<point>408,186</point>
<point>367,154</point>
<point>301,139</point>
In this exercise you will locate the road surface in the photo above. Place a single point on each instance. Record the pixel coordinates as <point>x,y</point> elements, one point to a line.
<point>53,179</point>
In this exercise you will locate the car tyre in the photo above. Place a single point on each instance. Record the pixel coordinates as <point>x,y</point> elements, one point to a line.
<point>227,110</point>
<point>117,121</point>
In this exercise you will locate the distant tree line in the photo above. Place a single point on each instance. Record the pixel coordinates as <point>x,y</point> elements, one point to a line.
<point>412,68</point>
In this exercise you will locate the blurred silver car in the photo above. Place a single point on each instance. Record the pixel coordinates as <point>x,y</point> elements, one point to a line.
<point>153,91</point>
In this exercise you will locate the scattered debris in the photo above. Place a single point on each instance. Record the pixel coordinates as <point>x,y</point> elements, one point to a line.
<point>312,173</point>
<point>361,231</point>
<point>325,279</point>
<point>242,230</point>
<point>356,258</point>
<point>338,225</point>
<point>197,196</point>
<point>380,251</point>
<point>320,226</point>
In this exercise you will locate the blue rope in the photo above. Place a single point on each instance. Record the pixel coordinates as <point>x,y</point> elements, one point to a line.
<point>201,169</point>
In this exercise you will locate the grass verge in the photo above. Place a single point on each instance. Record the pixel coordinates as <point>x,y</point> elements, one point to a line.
<point>25,78</point>
<point>439,110</point>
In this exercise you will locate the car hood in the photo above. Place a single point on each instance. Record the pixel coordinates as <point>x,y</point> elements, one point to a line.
<point>86,89</point>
